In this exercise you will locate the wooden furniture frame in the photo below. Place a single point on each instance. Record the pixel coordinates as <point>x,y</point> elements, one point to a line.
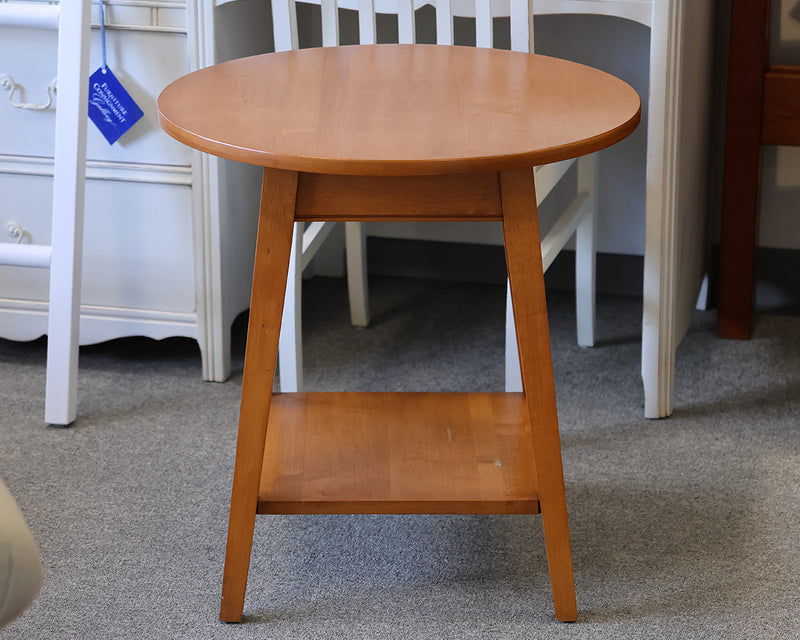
<point>177,265</point>
<point>62,257</point>
<point>678,116</point>
<point>576,219</point>
<point>391,144</point>
<point>763,107</point>
<point>214,236</point>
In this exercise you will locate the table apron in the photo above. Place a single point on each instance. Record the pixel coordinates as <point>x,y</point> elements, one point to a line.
<point>444,197</point>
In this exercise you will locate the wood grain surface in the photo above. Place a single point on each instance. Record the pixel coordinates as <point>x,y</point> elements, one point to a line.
<point>273,244</point>
<point>524,260</point>
<point>398,110</point>
<point>398,453</point>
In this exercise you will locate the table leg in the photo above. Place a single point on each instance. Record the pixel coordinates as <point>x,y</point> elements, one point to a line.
<point>660,272</point>
<point>739,223</point>
<point>521,233</point>
<point>679,113</point>
<point>273,244</point>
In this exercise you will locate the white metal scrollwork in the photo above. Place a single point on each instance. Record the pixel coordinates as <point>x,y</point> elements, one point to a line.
<point>7,83</point>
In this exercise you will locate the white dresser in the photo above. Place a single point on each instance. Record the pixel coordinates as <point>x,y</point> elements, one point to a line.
<point>159,260</point>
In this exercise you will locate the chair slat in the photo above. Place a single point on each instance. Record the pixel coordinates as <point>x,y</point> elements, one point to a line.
<point>405,21</point>
<point>522,25</point>
<point>484,36</point>
<point>330,23</point>
<point>284,24</point>
<point>366,22</point>
<point>444,22</point>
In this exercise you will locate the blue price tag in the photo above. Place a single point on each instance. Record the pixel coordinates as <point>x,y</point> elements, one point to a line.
<point>111,108</point>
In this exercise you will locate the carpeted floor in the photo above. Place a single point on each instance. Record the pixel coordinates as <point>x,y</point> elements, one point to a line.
<point>687,527</point>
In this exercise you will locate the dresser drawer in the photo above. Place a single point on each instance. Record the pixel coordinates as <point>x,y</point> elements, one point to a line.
<point>144,58</point>
<point>138,243</point>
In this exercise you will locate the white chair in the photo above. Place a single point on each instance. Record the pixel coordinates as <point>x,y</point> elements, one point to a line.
<point>63,255</point>
<point>577,218</point>
<point>681,37</point>
<point>308,238</point>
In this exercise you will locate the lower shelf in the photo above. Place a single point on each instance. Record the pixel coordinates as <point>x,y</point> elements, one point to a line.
<point>398,453</point>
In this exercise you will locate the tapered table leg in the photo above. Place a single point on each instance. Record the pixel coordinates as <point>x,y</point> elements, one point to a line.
<point>523,255</point>
<point>273,245</point>
<point>739,223</point>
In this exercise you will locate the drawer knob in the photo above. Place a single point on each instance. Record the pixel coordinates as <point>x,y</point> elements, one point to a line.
<point>7,83</point>
<point>16,231</point>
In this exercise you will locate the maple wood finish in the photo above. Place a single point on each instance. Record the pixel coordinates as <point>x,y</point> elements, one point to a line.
<point>398,110</point>
<point>398,132</point>
<point>524,258</point>
<point>327,197</point>
<point>273,244</point>
<point>398,453</point>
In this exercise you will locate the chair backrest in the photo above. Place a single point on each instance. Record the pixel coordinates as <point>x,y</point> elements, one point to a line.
<point>520,13</point>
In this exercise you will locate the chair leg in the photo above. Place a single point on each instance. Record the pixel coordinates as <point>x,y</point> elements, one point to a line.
<point>585,256</point>
<point>215,347</point>
<point>524,258</point>
<point>68,205</point>
<point>61,386</point>
<point>513,373</point>
<point>290,347</point>
<point>273,249</point>
<point>356,250</point>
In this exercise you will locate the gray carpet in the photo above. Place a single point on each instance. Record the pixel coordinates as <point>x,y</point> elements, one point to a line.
<point>682,528</point>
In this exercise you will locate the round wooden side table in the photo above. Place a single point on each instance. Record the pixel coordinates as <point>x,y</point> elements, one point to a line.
<point>398,132</point>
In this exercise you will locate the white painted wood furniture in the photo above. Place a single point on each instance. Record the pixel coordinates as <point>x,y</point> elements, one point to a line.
<point>681,41</point>
<point>678,117</point>
<point>62,256</point>
<point>308,237</point>
<point>158,259</point>
<point>576,219</point>
<point>679,114</point>
<point>176,267</point>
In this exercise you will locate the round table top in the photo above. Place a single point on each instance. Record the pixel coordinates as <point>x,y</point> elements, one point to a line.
<point>398,110</point>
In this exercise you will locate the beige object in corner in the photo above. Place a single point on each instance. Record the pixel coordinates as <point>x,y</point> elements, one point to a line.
<point>20,563</point>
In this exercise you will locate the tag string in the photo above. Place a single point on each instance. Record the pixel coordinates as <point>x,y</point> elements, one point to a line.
<point>103,34</point>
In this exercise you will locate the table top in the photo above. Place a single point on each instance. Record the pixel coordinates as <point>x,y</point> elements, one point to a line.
<point>398,110</point>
